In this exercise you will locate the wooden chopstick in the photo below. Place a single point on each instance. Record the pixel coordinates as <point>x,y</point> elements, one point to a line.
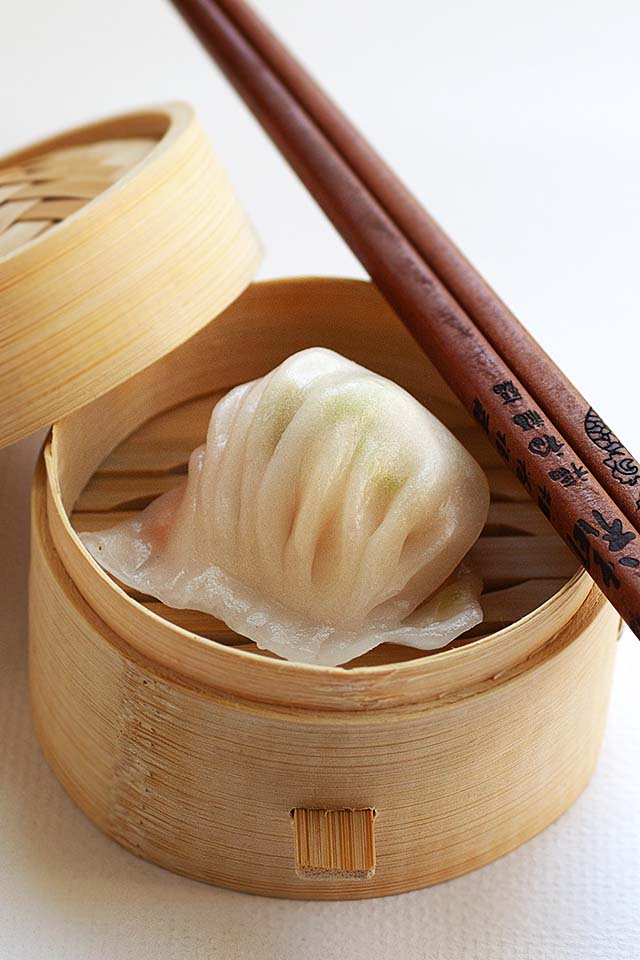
<point>542,458</point>
<point>602,452</point>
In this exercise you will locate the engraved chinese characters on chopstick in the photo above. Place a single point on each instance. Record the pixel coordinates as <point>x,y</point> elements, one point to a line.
<point>472,368</point>
<point>616,538</point>
<point>619,462</point>
<point>554,476</point>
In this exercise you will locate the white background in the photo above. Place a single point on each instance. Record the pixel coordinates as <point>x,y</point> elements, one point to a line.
<point>519,126</point>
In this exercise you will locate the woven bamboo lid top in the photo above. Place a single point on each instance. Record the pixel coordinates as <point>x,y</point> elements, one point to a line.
<point>118,241</point>
<point>42,192</point>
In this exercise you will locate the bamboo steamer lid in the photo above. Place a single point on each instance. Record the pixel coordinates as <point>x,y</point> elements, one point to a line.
<point>118,241</point>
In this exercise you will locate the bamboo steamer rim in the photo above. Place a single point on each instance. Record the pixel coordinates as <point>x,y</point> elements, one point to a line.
<point>450,675</point>
<point>125,278</point>
<point>164,125</point>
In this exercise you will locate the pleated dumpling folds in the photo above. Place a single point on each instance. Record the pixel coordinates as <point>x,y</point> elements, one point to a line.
<point>327,512</point>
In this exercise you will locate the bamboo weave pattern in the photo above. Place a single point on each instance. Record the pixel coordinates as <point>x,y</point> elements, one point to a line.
<point>42,192</point>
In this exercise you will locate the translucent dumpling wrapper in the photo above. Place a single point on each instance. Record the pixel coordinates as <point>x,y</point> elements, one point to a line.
<point>327,512</point>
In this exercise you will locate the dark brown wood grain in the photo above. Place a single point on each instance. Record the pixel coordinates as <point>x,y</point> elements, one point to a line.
<point>602,452</point>
<point>527,438</point>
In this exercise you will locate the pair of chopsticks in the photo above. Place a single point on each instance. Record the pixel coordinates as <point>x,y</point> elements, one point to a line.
<point>581,476</point>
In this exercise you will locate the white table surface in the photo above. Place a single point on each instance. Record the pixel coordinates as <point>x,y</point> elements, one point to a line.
<point>518,124</point>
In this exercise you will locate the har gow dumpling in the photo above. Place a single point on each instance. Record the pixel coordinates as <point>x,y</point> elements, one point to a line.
<point>327,512</point>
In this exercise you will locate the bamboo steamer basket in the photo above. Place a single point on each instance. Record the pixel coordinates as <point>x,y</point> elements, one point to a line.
<point>195,750</point>
<point>118,240</point>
